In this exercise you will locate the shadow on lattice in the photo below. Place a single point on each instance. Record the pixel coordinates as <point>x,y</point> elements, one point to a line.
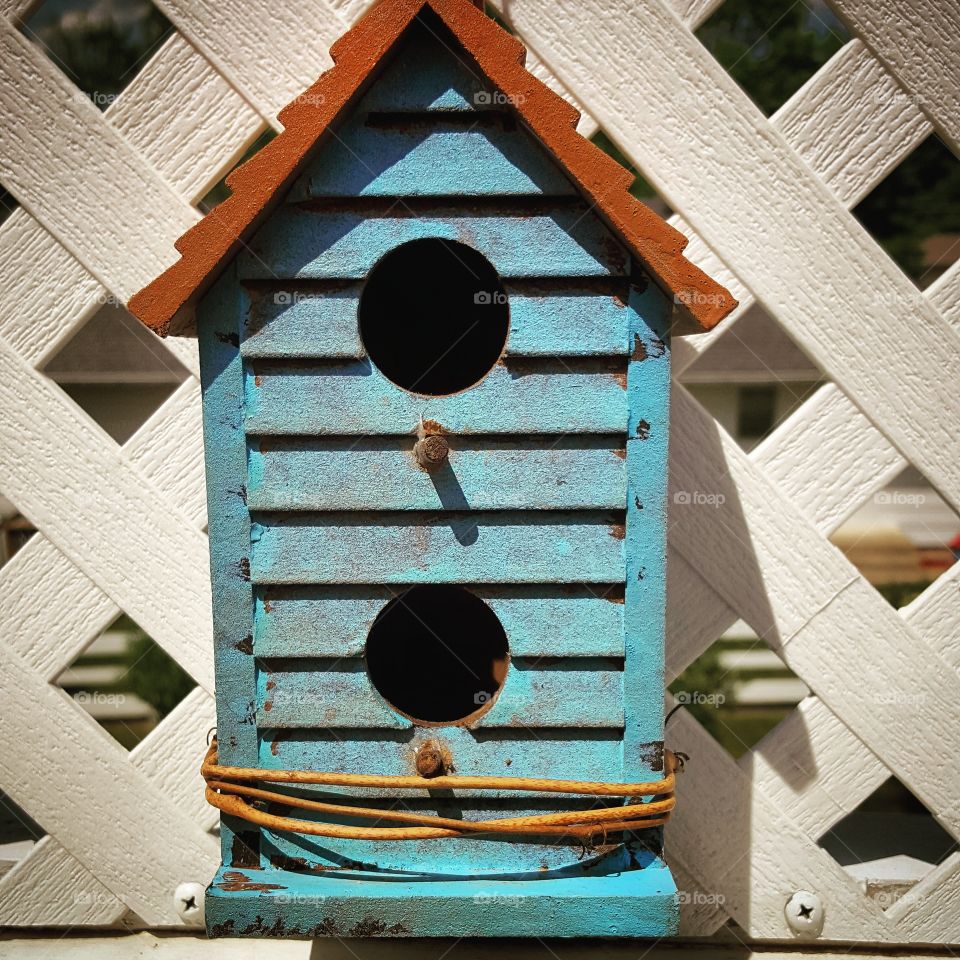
<point>738,689</point>
<point>902,538</point>
<point>8,203</point>
<point>641,188</point>
<point>99,46</point>
<point>771,49</point>
<point>889,843</point>
<point>914,214</point>
<point>752,377</point>
<point>125,682</point>
<point>116,371</point>
<point>220,191</point>
<point>18,833</point>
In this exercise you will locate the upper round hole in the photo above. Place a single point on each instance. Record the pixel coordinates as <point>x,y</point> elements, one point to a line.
<point>433,316</point>
<point>437,654</point>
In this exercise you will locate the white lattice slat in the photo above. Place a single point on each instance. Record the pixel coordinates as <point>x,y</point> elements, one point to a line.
<point>103,824</point>
<point>171,754</point>
<point>852,122</point>
<point>45,292</point>
<point>168,450</point>
<point>185,118</point>
<point>50,635</point>
<point>268,52</point>
<point>64,162</point>
<point>916,39</point>
<point>716,842</point>
<point>51,888</point>
<point>74,483</point>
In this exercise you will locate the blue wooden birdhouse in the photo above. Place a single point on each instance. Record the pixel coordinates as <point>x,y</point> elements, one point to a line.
<point>434,335</point>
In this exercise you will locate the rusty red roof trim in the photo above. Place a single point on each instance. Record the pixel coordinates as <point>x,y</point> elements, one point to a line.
<point>164,305</point>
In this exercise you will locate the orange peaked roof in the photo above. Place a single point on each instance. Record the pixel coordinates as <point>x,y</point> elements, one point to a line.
<point>165,305</point>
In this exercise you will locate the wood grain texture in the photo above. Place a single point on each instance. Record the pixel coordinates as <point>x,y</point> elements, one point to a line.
<point>308,244</point>
<point>350,399</point>
<point>338,695</point>
<point>539,621</point>
<point>484,474</point>
<point>431,548</point>
<point>914,40</point>
<point>54,138</point>
<point>69,482</point>
<point>547,318</point>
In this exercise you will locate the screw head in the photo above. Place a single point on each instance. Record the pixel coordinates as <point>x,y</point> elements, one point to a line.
<point>188,902</point>
<point>804,914</point>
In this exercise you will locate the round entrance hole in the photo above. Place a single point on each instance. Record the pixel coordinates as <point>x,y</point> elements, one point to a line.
<point>437,654</point>
<point>433,316</point>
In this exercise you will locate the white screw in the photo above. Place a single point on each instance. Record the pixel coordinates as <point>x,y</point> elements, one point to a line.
<point>804,913</point>
<point>188,902</point>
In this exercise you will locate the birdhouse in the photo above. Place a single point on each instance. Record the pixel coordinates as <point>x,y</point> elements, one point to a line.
<point>434,334</point>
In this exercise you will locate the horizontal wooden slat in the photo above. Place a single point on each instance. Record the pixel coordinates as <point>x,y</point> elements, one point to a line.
<point>453,548</point>
<point>565,753</point>
<point>338,693</point>
<point>481,474</point>
<point>538,621</point>
<point>355,398</point>
<point>431,155</point>
<point>549,318</point>
<point>312,243</point>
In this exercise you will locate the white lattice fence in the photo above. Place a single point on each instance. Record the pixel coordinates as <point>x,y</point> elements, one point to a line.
<point>104,195</point>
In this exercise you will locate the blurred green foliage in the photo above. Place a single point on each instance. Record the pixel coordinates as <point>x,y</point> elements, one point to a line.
<point>772,47</point>
<point>153,676</point>
<point>101,49</point>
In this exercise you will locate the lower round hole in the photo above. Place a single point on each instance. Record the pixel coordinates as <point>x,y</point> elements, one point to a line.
<point>437,654</point>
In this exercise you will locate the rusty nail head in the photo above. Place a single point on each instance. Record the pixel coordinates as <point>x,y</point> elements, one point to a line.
<point>431,451</point>
<point>430,761</point>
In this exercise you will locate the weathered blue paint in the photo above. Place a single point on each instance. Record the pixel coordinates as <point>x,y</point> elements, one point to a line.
<point>552,509</point>
<point>436,548</point>
<point>547,319</point>
<point>349,398</point>
<point>313,243</point>
<point>610,903</point>
<point>319,621</point>
<point>430,156</point>
<point>483,474</point>
<point>337,694</point>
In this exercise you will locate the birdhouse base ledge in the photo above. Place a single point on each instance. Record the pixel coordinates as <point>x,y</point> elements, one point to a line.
<point>279,903</point>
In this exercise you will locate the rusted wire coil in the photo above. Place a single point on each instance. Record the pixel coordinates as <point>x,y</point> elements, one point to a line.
<point>230,790</point>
